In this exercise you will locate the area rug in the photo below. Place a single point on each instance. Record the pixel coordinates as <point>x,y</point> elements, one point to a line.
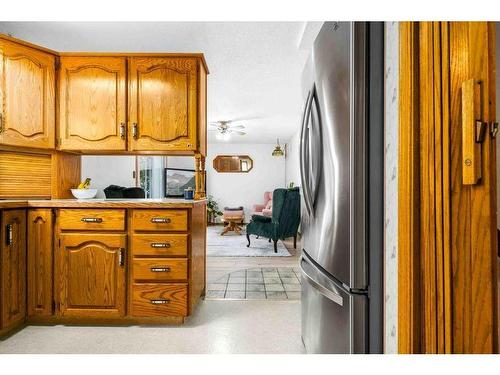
<point>235,245</point>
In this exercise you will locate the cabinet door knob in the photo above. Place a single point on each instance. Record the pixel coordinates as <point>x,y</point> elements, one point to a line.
<point>162,220</point>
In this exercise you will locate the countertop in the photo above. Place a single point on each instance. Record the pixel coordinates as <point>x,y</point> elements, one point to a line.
<point>100,203</point>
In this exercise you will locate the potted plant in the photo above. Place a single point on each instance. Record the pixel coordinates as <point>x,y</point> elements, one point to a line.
<point>212,210</point>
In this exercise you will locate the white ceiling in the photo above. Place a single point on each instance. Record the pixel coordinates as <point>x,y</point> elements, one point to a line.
<point>255,67</point>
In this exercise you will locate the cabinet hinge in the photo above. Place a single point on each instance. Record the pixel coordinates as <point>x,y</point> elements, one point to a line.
<point>53,306</point>
<point>58,64</point>
<point>59,241</point>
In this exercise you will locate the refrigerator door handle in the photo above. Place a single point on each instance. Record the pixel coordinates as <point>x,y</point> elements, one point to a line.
<point>304,152</point>
<point>331,295</point>
<point>317,163</point>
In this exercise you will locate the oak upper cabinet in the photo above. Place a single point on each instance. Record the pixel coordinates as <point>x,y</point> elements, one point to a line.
<point>13,269</point>
<point>163,104</point>
<point>92,103</point>
<point>27,96</point>
<point>92,275</point>
<point>40,275</point>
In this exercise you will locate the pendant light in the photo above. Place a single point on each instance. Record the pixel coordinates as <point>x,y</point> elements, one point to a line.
<point>277,150</point>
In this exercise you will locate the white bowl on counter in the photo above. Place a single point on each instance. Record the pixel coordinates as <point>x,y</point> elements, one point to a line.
<point>84,193</point>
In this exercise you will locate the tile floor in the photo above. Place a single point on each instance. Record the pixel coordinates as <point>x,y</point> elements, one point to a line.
<point>260,283</point>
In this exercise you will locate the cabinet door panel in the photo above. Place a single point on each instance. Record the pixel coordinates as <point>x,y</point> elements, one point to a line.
<point>92,278</point>
<point>92,103</point>
<point>27,96</point>
<point>13,267</point>
<point>163,103</point>
<point>40,273</point>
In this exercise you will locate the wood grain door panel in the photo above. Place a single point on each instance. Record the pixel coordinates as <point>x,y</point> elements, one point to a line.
<point>40,274</point>
<point>13,269</point>
<point>159,300</point>
<point>92,103</point>
<point>163,103</point>
<point>92,279</point>
<point>27,96</point>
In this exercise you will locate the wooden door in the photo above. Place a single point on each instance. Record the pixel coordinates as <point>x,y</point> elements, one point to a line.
<point>40,274</point>
<point>92,109</point>
<point>473,202</point>
<point>92,279</point>
<point>447,276</point>
<point>163,104</point>
<point>27,96</point>
<point>13,268</point>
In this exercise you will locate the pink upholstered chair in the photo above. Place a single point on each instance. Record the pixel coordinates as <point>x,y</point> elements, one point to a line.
<point>265,209</point>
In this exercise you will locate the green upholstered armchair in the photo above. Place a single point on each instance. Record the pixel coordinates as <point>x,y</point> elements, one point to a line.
<point>284,221</point>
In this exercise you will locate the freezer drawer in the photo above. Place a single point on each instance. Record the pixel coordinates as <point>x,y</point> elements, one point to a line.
<point>333,321</point>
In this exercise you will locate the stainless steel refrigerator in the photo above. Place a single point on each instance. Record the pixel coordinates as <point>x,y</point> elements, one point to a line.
<point>341,162</point>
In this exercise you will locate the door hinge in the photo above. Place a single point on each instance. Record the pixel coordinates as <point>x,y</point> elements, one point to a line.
<point>53,306</point>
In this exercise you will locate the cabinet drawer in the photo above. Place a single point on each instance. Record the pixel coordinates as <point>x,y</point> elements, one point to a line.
<point>156,244</point>
<point>160,220</point>
<point>159,269</point>
<point>159,300</point>
<point>91,219</point>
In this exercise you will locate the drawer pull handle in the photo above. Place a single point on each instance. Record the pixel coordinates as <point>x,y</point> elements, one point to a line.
<point>160,269</point>
<point>91,219</point>
<point>160,245</point>
<point>162,220</point>
<point>159,301</point>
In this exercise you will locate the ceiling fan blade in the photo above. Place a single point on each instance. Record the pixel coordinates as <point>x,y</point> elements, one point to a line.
<point>238,132</point>
<point>214,124</point>
<point>213,130</point>
<point>237,127</point>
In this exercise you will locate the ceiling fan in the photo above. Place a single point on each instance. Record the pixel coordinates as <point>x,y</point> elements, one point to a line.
<point>225,129</point>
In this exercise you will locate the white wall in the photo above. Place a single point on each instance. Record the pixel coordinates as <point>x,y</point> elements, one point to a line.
<point>244,189</point>
<point>108,170</point>
<point>292,160</point>
<point>391,188</point>
<point>181,162</point>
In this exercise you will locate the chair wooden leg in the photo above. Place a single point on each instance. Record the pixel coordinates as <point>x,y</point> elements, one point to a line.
<point>248,239</point>
<point>295,242</point>
<point>276,246</point>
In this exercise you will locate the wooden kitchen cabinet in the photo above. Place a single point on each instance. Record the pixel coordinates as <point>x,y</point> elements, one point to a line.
<point>163,104</point>
<point>27,96</point>
<point>92,103</point>
<point>92,275</point>
<point>13,269</point>
<point>40,250</point>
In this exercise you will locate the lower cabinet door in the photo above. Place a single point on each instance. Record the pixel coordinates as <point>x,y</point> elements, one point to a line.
<point>92,275</point>
<point>159,300</point>
<point>13,269</point>
<point>40,276</point>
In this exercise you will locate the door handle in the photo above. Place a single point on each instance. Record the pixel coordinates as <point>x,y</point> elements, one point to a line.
<point>159,301</point>
<point>9,234</point>
<point>135,130</point>
<point>122,130</point>
<point>121,257</point>
<point>473,132</point>
<point>317,147</point>
<point>335,297</point>
<point>304,169</point>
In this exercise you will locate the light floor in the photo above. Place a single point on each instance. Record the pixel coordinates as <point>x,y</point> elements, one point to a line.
<point>254,327</point>
<point>244,326</point>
